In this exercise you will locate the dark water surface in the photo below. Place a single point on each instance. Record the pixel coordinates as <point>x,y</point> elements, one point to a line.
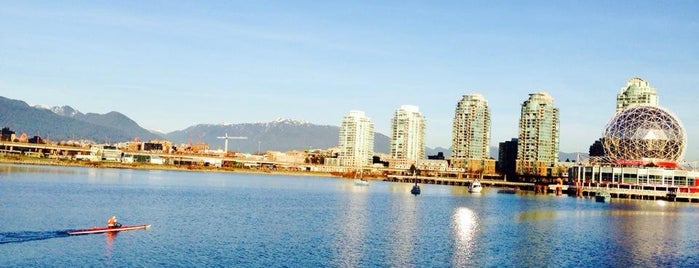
<point>239,220</point>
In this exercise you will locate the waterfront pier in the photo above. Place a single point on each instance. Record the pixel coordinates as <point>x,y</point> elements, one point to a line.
<point>657,192</point>
<point>458,182</point>
<point>617,191</point>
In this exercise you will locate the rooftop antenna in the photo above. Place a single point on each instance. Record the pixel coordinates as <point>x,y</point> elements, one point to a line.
<point>226,138</point>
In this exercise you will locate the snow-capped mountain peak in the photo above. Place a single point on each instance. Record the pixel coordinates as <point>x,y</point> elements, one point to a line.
<point>290,121</point>
<point>64,111</point>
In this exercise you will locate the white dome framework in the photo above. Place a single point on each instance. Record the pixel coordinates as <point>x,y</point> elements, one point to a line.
<point>644,133</point>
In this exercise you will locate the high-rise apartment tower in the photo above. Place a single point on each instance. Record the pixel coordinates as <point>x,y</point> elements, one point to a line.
<point>471,130</point>
<point>408,134</point>
<point>636,92</point>
<point>356,140</point>
<point>537,145</point>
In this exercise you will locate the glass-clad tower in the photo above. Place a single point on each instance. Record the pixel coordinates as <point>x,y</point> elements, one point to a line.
<point>636,92</point>
<point>537,145</point>
<point>470,130</point>
<point>408,133</point>
<point>356,145</point>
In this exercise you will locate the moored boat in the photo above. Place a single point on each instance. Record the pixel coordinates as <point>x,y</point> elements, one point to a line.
<point>361,182</point>
<point>415,190</point>
<point>475,187</point>
<point>97,230</point>
<point>603,196</point>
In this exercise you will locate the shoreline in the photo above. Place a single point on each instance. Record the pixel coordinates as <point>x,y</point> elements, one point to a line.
<point>522,187</point>
<point>116,165</point>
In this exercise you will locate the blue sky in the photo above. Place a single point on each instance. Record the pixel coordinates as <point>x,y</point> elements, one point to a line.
<point>169,64</point>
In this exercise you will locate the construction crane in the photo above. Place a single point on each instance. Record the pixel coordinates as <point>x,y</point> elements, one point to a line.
<point>225,141</point>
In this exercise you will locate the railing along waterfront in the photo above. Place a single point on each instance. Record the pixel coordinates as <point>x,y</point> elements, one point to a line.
<point>616,191</point>
<point>644,194</point>
<point>456,182</point>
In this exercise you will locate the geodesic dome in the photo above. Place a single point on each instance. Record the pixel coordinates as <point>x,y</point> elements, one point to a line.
<point>644,133</point>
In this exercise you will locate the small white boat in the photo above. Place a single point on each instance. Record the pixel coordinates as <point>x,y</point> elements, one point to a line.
<point>361,182</point>
<point>475,187</point>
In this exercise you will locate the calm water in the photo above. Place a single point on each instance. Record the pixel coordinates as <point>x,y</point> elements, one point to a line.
<point>237,220</point>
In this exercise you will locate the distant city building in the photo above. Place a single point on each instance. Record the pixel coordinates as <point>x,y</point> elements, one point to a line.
<point>431,165</point>
<point>470,131</point>
<point>537,145</point>
<point>356,145</point>
<point>507,158</point>
<point>438,156</point>
<point>36,139</point>
<point>636,92</point>
<point>408,134</point>
<point>150,146</point>
<point>102,152</point>
<point>291,157</point>
<point>157,146</point>
<point>7,134</point>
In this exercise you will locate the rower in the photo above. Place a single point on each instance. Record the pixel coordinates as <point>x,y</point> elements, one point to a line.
<point>112,222</point>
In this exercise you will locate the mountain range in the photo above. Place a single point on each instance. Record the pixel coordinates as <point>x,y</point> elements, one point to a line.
<point>67,123</point>
<point>279,135</point>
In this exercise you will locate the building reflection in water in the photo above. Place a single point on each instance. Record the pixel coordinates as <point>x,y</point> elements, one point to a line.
<point>351,236</point>
<point>464,226</point>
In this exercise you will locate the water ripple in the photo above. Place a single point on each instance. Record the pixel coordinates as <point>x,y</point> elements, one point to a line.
<point>26,236</point>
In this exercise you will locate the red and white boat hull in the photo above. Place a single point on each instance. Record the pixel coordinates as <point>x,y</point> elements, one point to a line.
<point>97,230</point>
